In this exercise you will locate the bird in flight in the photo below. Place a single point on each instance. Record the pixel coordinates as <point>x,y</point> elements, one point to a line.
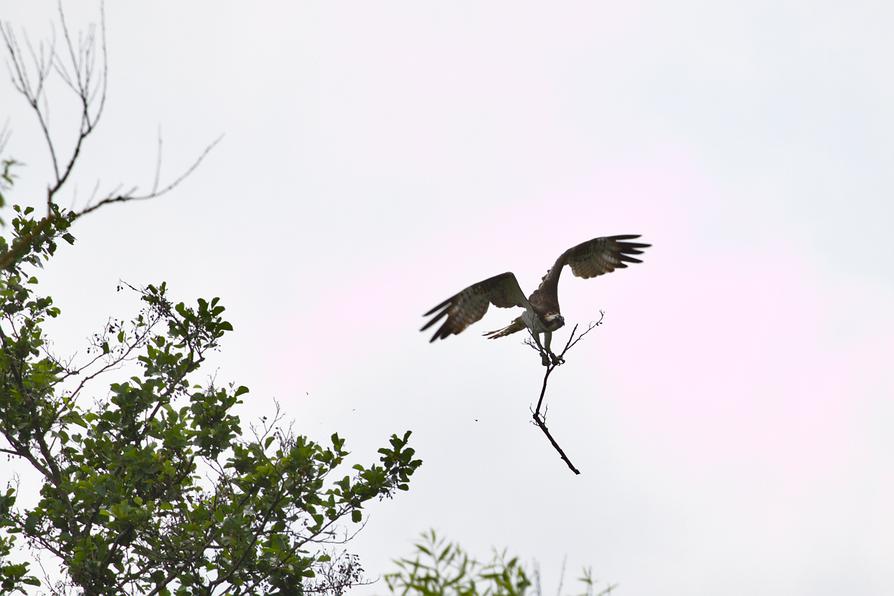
<point>542,315</point>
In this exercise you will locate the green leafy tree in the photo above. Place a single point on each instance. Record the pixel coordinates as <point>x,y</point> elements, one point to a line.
<point>148,483</point>
<point>442,568</point>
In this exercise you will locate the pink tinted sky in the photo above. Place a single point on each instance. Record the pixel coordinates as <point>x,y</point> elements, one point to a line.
<point>749,368</point>
<point>758,349</point>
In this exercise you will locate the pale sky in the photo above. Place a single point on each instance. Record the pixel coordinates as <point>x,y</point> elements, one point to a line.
<point>732,417</point>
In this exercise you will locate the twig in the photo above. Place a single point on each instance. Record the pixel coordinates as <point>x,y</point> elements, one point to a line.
<point>5,133</point>
<point>552,364</point>
<point>155,193</point>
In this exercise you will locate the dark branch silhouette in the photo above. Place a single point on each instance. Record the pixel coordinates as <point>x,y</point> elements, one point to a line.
<point>155,192</point>
<point>539,413</point>
<point>82,65</point>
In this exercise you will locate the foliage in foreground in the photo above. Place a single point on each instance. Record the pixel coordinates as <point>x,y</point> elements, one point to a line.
<point>149,485</point>
<point>441,568</point>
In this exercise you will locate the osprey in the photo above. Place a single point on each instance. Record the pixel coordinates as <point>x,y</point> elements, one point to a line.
<point>542,314</point>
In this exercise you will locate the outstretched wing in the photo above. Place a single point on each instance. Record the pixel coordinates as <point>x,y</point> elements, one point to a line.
<point>468,306</point>
<point>603,255</point>
<point>588,259</point>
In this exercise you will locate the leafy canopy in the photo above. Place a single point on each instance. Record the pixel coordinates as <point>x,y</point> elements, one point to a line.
<point>149,485</point>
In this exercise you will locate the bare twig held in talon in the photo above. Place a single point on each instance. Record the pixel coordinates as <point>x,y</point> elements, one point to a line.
<point>540,419</point>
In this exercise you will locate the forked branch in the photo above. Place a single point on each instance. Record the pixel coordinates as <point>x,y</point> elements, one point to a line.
<point>82,65</point>
<point>539,413</point>
<point>80,72</point>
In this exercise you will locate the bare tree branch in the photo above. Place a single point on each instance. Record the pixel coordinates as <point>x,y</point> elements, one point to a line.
<point>552,364</point>
<point>4,136</point>
<point>21,80</point>
<point>83,64</point>
<point>155,193</point>
<point>83,67</point>
<point>81,79</point>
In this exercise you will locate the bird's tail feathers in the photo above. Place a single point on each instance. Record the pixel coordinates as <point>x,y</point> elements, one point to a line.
<point>516,325</point>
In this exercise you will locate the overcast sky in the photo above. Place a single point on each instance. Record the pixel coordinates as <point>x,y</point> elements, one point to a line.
<point>732,417</point>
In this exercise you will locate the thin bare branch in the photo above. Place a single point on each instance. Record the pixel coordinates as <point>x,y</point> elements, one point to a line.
<point>5,134</point>
<point>83,64</point>
<point>129,196</point>
<point>551,364</point>
<point>157,163</point>
<point>21,80</point>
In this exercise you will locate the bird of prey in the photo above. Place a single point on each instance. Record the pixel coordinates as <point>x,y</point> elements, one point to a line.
<point>542,314</point>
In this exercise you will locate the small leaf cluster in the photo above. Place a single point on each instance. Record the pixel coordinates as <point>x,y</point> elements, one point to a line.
<point>35,240</point>
<point>441,568</point>
<point>13,576</point>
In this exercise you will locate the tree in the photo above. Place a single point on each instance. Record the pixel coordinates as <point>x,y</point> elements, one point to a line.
<point>151,485</point>
<point>441,568</point>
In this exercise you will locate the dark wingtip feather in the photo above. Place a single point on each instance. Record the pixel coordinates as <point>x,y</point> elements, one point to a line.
<point>442,333</point>
<point>442,305</point>
<point>435,319</point>
<point>629,237</point>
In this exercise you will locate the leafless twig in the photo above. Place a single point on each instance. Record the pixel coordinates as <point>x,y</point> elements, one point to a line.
<point>79,72</point>
<point>83,67</point>
<point>4,136</point>
<point>130,195</point>
<point>552,364</point>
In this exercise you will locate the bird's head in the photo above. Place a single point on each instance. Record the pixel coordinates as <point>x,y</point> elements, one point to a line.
<point>554,320</point>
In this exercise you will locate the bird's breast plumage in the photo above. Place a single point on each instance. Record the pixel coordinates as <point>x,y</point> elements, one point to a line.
<point>535,323</point>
